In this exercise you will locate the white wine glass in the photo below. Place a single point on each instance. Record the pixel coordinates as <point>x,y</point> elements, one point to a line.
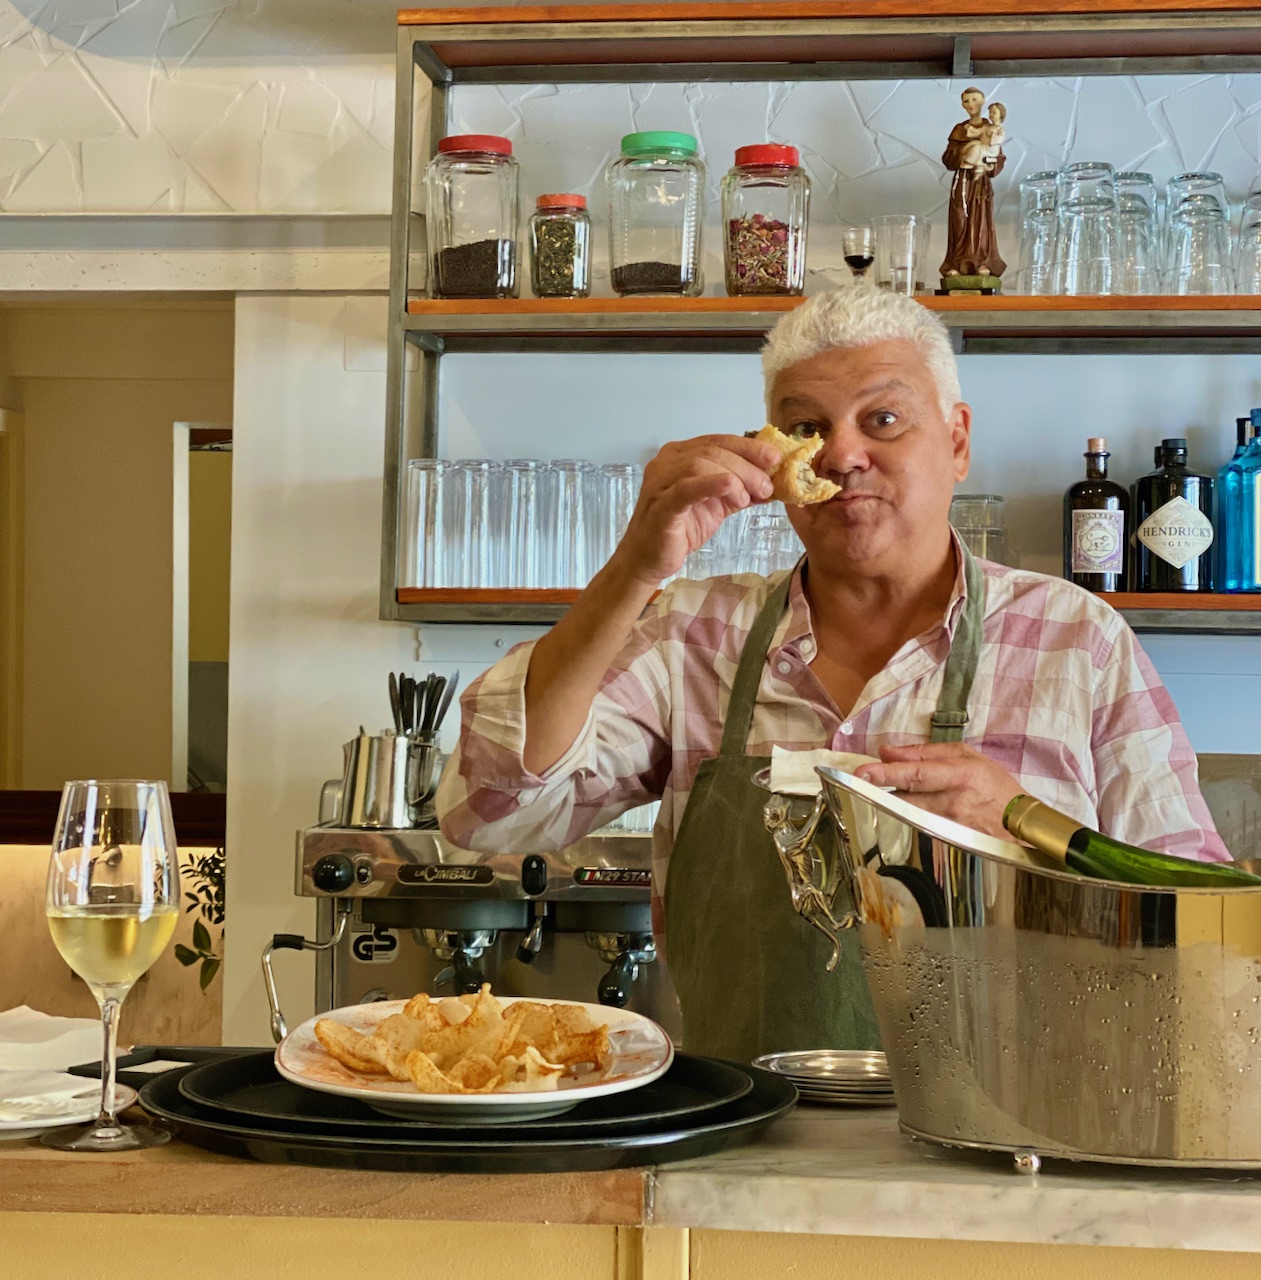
<point>112,901</point>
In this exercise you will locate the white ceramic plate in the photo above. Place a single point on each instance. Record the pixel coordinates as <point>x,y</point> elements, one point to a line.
<point>641,1053</point>
<point>75,1112</point>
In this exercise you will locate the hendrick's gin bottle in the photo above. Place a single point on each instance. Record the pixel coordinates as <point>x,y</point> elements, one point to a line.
<point>1173,525</point>
<point>1096,525</point>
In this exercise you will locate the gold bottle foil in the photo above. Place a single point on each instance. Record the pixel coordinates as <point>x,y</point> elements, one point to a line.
<point>1041,826</point>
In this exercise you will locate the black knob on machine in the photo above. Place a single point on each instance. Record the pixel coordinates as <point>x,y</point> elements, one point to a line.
<point>614,988</point>
<point>333,873</point>
<point>534,875</point>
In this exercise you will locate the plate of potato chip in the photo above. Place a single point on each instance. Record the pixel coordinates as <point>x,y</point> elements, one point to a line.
<point>475,1058</point>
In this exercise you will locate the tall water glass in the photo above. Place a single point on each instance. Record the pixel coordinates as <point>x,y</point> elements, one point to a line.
<point>901,252</point>
<point>425,524</point>
<point>468,549</point>
<point>565,499</point>
<point>1086,229</point>
<point>1185,186</point>
<point>616,490</point>
<point>1139,249</point>
<point>1200,250</point>
<point>112,902</point>
<point>1036,271</point>
<point>772,543</point>
<point>1248,250</point>
<point>515,562</point>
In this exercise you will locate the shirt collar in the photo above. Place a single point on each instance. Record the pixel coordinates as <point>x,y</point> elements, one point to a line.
<point>798,627</point>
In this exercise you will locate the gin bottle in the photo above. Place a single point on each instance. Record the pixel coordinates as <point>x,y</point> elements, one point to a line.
<point>1173,525</point>
<point>1096,515</point>
<point>1231,542</point>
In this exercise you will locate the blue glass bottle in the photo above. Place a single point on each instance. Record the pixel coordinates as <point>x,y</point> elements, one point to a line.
<point>1250,510</point>
<point>1230,515</point>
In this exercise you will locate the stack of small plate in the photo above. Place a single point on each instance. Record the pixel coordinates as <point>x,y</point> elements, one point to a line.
<point>840,1077</point>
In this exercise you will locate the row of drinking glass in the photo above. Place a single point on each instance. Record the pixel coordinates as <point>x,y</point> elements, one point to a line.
<point>522,523</point>
<point>527,523</point>
<point>1087,230</point>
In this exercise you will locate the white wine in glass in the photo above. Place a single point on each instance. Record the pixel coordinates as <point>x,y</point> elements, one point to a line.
<point>112,902</point>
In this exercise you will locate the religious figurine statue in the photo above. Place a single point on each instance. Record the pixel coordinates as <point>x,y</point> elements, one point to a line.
<point>975,153</point>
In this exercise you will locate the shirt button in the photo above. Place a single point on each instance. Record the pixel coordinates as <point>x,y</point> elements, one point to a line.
<point>847,728</point>
<point>784,668</point>
<point>807,648</point>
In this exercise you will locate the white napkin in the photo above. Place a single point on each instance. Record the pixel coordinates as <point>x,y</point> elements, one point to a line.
<point>793,772</point>
<point>35,1049</point>
<point>34,1095</point>
<point>35,1041</point>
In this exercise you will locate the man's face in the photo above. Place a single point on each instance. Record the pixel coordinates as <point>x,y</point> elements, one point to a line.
<point>885,442</point>
<point>972,103</point>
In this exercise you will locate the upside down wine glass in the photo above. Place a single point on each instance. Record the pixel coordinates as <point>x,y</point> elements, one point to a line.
<point>112,900</point>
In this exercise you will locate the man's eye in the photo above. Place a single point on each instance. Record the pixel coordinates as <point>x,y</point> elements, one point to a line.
<point>883,419</point>
<point>804,430</point>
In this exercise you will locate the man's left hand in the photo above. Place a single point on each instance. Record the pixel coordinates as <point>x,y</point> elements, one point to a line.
<point>948,778</point>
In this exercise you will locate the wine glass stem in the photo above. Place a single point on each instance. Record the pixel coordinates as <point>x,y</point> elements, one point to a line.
<point>110,1005</point>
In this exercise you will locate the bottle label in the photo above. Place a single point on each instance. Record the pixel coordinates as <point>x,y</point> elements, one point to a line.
<point>1098,542</point>
<point>1177,532</point>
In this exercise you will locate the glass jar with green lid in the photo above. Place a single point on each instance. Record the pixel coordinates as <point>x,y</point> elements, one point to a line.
<point>656,191</point>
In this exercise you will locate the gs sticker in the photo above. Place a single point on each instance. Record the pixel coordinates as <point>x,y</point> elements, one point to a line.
<point>377,947</point>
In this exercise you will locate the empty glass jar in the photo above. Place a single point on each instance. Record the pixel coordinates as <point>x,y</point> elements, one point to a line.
<point>560,247</point>
<point>471,205</point>
<point>1036,272</point>
<point>765,201</point>
<point>655,189</point>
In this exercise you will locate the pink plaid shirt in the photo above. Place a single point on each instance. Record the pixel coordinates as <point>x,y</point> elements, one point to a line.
<point>1064,699</point>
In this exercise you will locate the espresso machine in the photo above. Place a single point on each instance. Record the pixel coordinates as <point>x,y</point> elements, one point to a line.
<point>401,910</point>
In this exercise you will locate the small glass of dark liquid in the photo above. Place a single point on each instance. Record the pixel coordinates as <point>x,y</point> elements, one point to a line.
<point>859,247</point>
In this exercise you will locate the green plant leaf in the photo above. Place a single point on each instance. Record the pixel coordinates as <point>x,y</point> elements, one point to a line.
<point>201,937</point>
<point>209,967</point>
<point>184,955</point>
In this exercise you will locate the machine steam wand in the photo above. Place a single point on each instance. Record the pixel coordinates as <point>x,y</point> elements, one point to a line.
<point>295,942</point>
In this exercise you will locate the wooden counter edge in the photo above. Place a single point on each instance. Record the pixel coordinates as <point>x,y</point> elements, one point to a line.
<point>180,1179</point>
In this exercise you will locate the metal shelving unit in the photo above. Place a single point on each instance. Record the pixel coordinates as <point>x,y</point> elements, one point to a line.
<point>777,40</point>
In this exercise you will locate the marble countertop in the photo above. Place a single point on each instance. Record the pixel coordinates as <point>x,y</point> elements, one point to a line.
<point>818,1170</point>
<point>839,1172</point>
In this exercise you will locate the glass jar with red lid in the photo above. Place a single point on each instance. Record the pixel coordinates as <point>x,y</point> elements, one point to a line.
<point>472,210</point>
<point>560,247</point>
<point>765,209</point>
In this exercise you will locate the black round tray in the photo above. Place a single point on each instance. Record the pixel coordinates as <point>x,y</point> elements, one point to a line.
<point>471,1150</point>
<point>248,1090</point>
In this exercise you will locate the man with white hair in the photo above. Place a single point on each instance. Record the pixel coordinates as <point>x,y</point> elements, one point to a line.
<point>971,682</point>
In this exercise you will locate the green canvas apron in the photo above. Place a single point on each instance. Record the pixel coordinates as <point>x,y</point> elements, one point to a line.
<point>749,972</point>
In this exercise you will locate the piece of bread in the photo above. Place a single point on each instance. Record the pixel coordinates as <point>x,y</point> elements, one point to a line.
<point>794,477</point>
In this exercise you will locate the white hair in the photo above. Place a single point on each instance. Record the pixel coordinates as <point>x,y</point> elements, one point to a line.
<point>857,317</point>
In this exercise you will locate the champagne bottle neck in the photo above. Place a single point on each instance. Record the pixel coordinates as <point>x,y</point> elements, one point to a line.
<point>1041,826</point>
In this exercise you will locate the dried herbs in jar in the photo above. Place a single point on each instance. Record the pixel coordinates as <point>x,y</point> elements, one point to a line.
<point>765,200</point>
<point>560,247</point>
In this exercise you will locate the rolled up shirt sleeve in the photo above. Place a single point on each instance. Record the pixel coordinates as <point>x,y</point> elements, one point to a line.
<point>490,802</point>
<point>1146,770</point>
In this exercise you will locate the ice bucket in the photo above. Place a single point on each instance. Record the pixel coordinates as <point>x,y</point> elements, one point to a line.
<point>1030,1010</point>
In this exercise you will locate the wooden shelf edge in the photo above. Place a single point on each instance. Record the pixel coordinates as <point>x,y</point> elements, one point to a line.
<point>1183,601</point>
<point>771,10</point>
<point>484,595</point>
<point>1019,303</point>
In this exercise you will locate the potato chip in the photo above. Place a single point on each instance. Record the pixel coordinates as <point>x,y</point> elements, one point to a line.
<point>396,1037</point>
<point>426,1076</point>
<point>347,1046</point>
<point>577,1048</point>
<point>475,1072</point>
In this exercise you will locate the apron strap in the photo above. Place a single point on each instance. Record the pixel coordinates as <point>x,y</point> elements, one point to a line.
<point>739,719</point>
<point>965,652</point>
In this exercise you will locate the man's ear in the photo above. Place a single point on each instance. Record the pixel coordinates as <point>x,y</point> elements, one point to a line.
<point>960,424</point>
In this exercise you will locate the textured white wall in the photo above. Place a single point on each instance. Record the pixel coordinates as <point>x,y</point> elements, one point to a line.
<point>277,105</point>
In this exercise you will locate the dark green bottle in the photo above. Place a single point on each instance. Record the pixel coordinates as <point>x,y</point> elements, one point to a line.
<point>1091,853</point>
